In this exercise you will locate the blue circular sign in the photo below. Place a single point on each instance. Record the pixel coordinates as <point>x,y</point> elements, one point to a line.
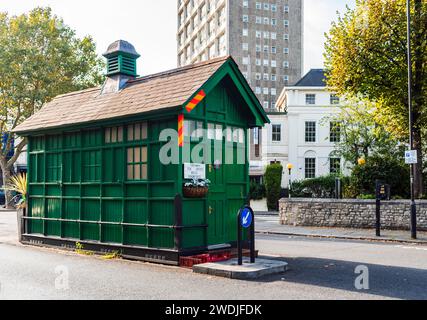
<point>246,218</point>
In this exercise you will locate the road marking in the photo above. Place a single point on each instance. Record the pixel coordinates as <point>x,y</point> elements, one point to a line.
<point>412,248</point>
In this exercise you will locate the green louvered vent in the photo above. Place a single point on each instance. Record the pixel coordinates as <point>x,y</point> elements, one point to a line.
<point>128,65</point>
<point>113,65</point>
<point>121,64</point>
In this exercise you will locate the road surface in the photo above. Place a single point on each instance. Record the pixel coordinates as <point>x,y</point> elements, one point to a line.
<point>319,269</point>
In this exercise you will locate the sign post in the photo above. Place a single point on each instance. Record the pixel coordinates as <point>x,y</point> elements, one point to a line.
<point>411,157</point>
<point>245,220</point>
<point>382,192</point>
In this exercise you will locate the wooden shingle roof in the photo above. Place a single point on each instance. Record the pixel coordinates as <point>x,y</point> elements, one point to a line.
<point>164,90</point>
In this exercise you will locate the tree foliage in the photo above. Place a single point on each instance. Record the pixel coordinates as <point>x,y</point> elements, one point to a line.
<point>388,170</point>
<point>362,136</point>
<point>366,58</point>
<point>40,58</point>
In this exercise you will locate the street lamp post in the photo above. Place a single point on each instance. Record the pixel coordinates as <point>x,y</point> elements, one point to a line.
<point>290,166</point>
<point>411,122</point>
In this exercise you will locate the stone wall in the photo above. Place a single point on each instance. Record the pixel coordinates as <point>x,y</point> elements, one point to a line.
<point>350,213</point>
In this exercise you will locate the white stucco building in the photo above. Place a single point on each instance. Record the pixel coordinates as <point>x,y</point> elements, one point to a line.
<point>302,131</point>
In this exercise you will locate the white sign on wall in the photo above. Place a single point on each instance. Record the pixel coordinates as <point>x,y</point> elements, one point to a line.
<point>411,157</point>
<point>194,171</point>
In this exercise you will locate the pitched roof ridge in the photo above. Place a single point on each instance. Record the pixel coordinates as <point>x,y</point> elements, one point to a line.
<point>307,75</point>
<point>69,94</point>
<point>180,69</point>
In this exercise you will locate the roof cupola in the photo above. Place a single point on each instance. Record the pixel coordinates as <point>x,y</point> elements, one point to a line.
<point>121,65</point>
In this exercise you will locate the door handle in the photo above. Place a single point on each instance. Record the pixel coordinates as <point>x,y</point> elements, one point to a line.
<point>210,210</point>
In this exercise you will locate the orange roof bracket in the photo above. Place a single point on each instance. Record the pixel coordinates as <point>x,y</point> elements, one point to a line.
<point>195,101</point>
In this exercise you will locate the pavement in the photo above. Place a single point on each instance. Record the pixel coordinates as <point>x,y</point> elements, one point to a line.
<point>268,223</point>
<point>247,271</point>
<point>319,269</point>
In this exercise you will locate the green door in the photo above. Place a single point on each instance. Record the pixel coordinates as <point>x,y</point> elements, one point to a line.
<point>216,206</point>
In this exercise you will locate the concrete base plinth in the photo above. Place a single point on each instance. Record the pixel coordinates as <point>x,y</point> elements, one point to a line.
<point>230,269</point>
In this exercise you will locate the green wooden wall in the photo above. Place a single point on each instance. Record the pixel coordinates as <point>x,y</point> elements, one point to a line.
<point>81,188</point>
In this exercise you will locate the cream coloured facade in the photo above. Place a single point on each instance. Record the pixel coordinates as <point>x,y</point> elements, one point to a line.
<point>308,133</point>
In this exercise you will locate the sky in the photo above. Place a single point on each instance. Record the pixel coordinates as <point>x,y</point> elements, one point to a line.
<point>150,25</point>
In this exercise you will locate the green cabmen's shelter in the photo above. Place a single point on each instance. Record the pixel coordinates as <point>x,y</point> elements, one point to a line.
<point>106,170</point>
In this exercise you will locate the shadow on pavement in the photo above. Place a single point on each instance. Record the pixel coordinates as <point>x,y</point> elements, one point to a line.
<point>384,281</point>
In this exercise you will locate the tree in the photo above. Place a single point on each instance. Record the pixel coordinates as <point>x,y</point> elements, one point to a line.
<point>273,183</point>
<point>362,136</point>
<point>366,59</point>
<point>40,58</point>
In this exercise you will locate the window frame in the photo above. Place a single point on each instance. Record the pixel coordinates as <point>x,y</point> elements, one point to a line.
<point>335,132</point>
<point>310,166</point>
<point>333,168</point>
<point>308,100</point>
<point>310,132</point>
<point>141,163</point>
<point>276,133</point>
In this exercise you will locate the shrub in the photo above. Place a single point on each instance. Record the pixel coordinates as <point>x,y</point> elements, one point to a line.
<point>257,191</point>
<point>366,196</point>
<point>273,182</point>
<point>390,171</point>
<point>322,187</point>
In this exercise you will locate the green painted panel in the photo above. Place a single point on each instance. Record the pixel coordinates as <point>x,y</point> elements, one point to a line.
<point>162,213</point>
<point>41,166</point>
<point>137,190</point>
<point>37,143</point>
<point>136,212</point>
<point>90,231</point>
<point>71,166</point>
<point>112,211</point>
<point>91,210</point>
<point>91,166</point>
<point>162,190</point>
<point>112,234</point>
<point>71,212</point>
<point>71,230</point>
<point>53,167</point>
<point>91,191</point>
<point>192,238</point>
<point>136,236</point>
<point>36,190</point>
<point>72,140</point>
<point>161,238</point>
<point>71,190</point>
<point>71,209</point>
<point>53,190</point>
<point>113,191</point>
<point>32,167</point>
<point>92,138</point>
<point>37,208</point>
<point>193,212</point>
<point>53,211</point>
<point>231,218</point>
<point>54,142</point>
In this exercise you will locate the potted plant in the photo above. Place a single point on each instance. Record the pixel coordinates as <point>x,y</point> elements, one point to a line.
<point>18,184</point>
<point>196,188</point>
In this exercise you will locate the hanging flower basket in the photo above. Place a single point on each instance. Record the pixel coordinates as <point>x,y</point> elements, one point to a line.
<point>195,192</point>
<point>196,188</point>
